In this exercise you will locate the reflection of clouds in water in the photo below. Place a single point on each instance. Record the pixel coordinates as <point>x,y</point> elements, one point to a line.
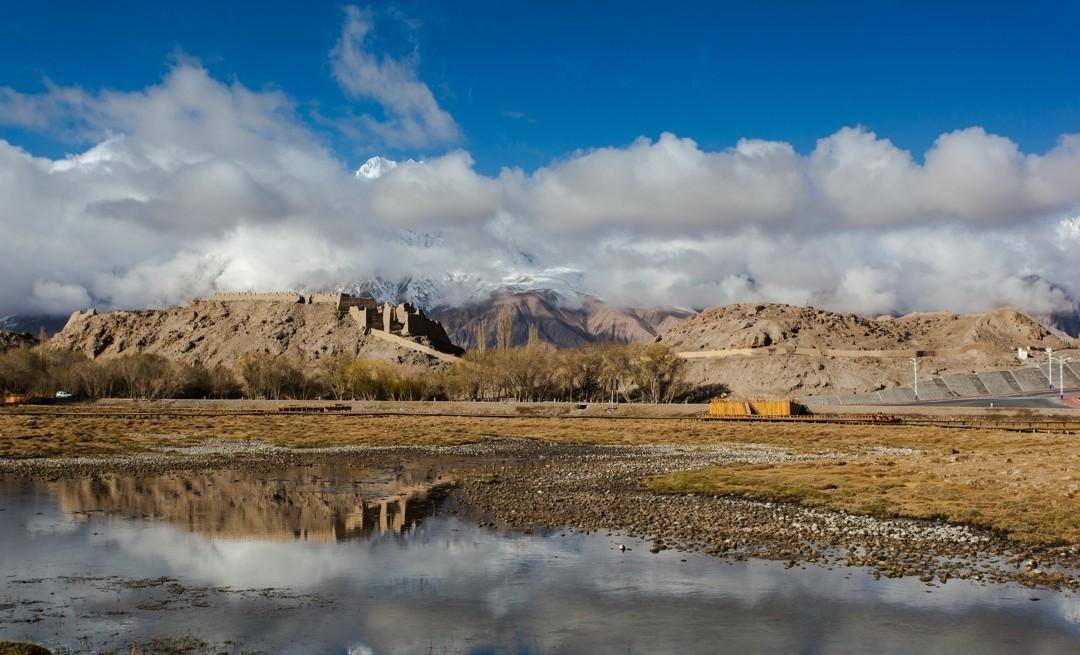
<point>50,525</point>
<point>236,563</point>
<point>1070,608</point>
<point>498,600</point>
<point>442,558</point>
<point>436,556</point>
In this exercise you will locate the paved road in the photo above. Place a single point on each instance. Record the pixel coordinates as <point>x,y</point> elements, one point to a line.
<point>1046,400</point>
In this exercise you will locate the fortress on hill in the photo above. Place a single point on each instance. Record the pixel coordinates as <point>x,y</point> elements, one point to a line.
<point>402,320</point>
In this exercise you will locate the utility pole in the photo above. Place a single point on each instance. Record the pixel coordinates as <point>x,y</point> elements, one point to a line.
<point>1061,377</point>
<point>915,363</point>
<point>1050,368</point>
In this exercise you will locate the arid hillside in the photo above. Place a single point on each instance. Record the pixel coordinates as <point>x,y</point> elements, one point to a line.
<point>558,322</point>
<point>772,349</point>
<point>762,325</point>
<point>211,333</point>
<point>16,340</point>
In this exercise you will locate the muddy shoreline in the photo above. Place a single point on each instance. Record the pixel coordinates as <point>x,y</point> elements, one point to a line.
<point>528,485</point>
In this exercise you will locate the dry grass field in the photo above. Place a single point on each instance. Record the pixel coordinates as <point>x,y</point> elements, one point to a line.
<point>1023,485</point>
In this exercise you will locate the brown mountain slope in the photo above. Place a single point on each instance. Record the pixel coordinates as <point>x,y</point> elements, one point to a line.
<point>556,322</point>
<point>761,325</point>
<point>212,333</point>
<point>804,350</point>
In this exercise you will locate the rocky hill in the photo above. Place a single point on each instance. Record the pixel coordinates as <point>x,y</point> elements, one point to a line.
<point>16,340</point>
<point>565,324</point>
<point>772,349</point>
<point>761,325</point>
<point>211,333</point>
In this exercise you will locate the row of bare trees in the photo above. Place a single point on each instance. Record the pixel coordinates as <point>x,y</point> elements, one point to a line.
<point>366,379</point>
<point>533,372</point>
<point>596,372</point>
<point>41,372</point>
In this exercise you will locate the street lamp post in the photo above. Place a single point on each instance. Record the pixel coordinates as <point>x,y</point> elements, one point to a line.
<point>1050,368</point>
<point>1061,376</point>
<point>915,385</point>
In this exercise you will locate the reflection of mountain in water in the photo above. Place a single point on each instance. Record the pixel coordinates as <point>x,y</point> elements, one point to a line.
<point>306,503</point>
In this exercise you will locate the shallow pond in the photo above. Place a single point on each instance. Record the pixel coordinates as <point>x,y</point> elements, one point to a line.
<point>342,560</point>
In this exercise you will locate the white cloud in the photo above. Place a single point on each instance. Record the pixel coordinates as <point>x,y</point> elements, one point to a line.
<point>413,116</point>
<point>55,298</point>
<point>194,184</point>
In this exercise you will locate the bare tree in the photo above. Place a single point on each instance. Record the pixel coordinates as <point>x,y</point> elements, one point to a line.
<point>581,372</point>
<point>22,371</point>
<point>659,373</point>
<point>335,374</point>
<point>504,329</point>
<point>480,335</point>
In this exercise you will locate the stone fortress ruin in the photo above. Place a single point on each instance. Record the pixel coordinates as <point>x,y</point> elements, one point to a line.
<point>400,323</point>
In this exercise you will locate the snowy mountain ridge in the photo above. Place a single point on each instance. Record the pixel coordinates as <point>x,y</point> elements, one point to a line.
<point>375,168</point>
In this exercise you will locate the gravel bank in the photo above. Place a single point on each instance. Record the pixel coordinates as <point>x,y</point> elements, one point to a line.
<point>598,488</point>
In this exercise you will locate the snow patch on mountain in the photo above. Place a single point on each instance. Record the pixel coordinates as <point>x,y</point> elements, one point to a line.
<point>419,292</point>
<point>375,168</point>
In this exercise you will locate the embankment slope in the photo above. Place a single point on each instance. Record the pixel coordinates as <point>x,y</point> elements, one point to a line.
<point>771,349</point>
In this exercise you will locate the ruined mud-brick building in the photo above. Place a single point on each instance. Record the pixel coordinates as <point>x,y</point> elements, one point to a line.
<point>402,320</point>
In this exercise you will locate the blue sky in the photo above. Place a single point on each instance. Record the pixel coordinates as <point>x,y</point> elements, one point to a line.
<point>531,82</point>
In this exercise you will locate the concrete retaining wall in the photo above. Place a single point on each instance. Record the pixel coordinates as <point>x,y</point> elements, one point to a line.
<point>1030,379</point>
<point>964,385</point>
<point>808,352</point>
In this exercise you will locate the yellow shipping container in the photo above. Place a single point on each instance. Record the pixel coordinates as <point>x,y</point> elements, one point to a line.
<point>721,407</point>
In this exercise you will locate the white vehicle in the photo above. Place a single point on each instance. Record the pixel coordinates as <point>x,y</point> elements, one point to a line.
<point>64,395</point>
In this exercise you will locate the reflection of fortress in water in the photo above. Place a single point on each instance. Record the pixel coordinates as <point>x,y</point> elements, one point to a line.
<point>311,503</point>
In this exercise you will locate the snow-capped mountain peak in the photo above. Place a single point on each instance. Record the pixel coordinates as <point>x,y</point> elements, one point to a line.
<point>375,168</point>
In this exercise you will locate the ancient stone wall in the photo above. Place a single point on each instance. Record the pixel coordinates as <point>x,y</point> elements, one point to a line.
<point>273,296</point>
<point>341,301</point>
<point>403,320</point>
<point>416,324</point>
<point>325,298</point>
<point>346,301</point>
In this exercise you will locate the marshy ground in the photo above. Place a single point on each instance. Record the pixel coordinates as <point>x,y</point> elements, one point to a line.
<point>826,493</point>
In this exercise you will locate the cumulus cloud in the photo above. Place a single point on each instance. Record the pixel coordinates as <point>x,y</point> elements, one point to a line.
<point>53,297</point>
<point>413,116</point>
<point>194,184</point>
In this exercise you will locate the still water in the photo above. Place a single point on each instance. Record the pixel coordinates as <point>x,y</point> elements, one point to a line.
<point>341,560</point>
